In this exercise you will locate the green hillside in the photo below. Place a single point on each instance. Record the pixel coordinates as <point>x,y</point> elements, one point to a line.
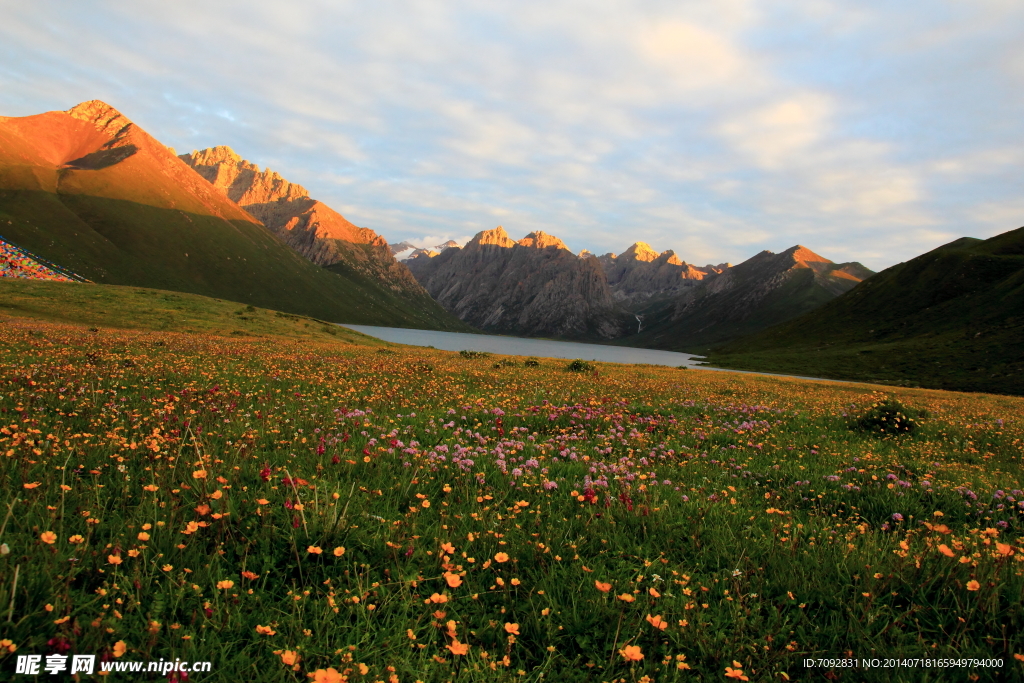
<point>137,215</point>
<point>952,318</point>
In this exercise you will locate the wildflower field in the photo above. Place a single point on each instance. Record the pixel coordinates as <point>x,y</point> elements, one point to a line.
<point>293,509</point>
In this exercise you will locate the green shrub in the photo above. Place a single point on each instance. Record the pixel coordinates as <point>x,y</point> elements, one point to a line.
<point>531,363</point>
<point>579,365</point>
<point>465,353</point>
<point>506,363</point>
<point>887,416</point>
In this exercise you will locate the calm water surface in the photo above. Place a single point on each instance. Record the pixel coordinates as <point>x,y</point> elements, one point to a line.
<point>519,346</point>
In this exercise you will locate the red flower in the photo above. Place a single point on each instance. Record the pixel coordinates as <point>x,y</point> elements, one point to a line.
<point>265,473</point>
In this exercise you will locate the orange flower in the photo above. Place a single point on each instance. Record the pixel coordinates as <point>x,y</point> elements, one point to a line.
<point>657,622</point>
<point>339,551</point>
<point>262,501</point>
<point>143,536</point>
<point>653,593</point>
<point>48,537</point>
<point>290,657</point>
<point>33,485</point>
<point>265,630</point>
<point>151,487</point>
<point>120,648</point>
<point>945,550</point>
<point>603,587</point>
<point>631,653</point>
<point>456,647</point>
<point>314,550</point>
<point>425,503</point>
<point>114,559</point>
<point>501,557</point>
<point>437,598</point>
<point>512,628</point>
<point>76,539</point>
<point>199,474</point>
<point>250,575</point>
<point>737,672</point>
<point>133,553</point>
<point>191,528</point>
<point>448,548</point>
<point>226,583</point>
<point>973,585</point>
<point>454,580</point>
<point>167,567</point>
<point>1004,549</point>
<point>329,675</point>
<point>626,597</point>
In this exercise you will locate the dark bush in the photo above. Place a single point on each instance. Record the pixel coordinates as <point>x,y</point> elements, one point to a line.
<point>465,353</point>
<point>887,416</point>
<point>579,365</point>
<point>506,363</point>
<point>531,363</point>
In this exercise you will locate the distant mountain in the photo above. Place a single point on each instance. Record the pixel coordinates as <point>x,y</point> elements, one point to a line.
<point>308,226</point>
<point>640,275</point>
<point>403,251</point>
<point>533,287</point>
<point>952,318</point>
<point>764,290</point>
<point>90,191</point>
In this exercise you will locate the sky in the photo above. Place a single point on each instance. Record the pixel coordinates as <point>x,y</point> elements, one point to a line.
<point>868,131</point>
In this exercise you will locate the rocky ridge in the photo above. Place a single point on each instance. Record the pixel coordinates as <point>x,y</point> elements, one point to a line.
<point>533,287</point>
<point>640,275</point>
<point>310,227</point>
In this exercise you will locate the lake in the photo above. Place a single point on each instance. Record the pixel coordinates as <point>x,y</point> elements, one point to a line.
<point>519,346</point>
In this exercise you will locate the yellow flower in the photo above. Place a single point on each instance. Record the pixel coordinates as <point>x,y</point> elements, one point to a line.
<point>737,672</point>
<point>48,537</point>
<point>657,622</point>
<point>329,675</point>
<point>631,653</point>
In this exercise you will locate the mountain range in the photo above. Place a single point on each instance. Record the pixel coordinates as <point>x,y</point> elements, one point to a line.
<point>537,287</point>
<point>91,191</point>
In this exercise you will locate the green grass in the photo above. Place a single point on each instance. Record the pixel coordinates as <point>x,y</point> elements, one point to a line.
<point>773,541</point>
<point>111,306</point>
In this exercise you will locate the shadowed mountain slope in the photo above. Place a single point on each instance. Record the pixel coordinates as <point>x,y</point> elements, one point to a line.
<point>952,318</point>
<point>92,192</point>
<point>764,290</point>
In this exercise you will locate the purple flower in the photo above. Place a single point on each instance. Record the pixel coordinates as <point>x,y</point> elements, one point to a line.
<point>897,517</point>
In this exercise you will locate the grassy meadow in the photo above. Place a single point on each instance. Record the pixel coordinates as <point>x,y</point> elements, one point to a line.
<point>297,506</point>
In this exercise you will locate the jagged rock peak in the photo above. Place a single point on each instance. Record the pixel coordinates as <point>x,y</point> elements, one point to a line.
<point>215,155</point>
<point>498,237</point>
<point>101,115</point>
<point>640,251</point>
<point>585,253</point>
<point>541,240</point>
